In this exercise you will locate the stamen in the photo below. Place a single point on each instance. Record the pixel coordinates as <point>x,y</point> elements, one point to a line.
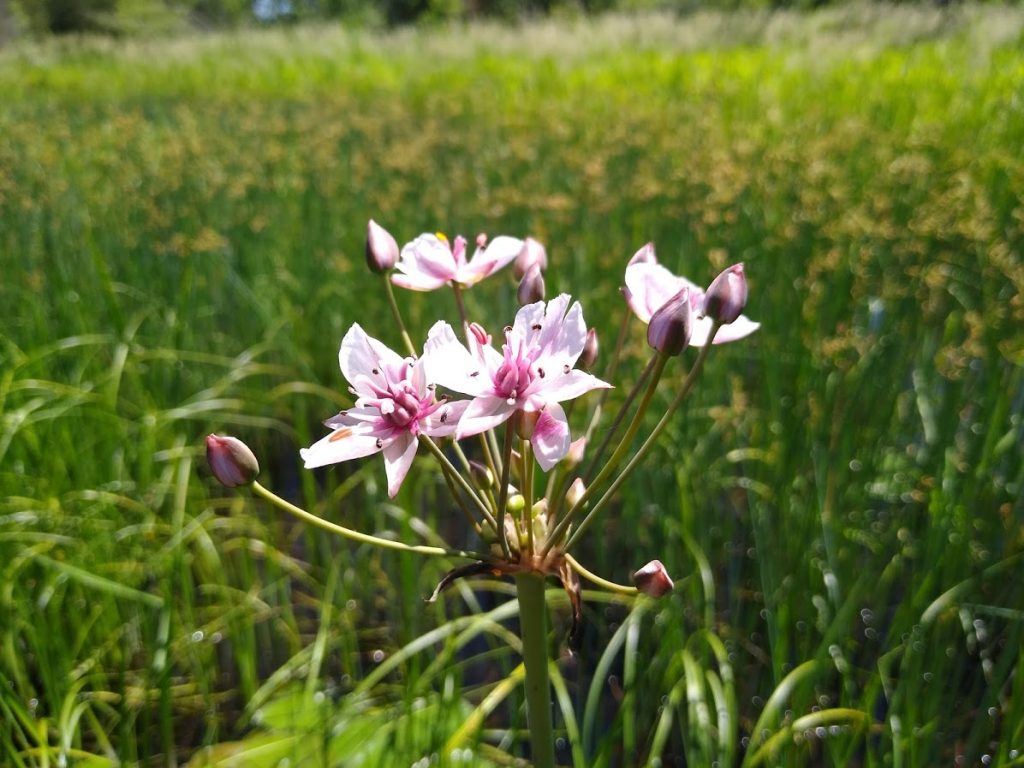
<point>380,443</point>
<point>536,326</point>
<point>540,372</point>
<point>566,368</point>
<point>474,374</point>
<point>444,415</point>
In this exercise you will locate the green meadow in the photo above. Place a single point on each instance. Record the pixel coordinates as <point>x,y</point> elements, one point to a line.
<point>182,227</point>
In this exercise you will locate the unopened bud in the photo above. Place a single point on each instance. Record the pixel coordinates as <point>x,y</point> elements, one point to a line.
<point>531,287</point>
<point>645,255</point>
<point>381,248</point>
<point>590,350</point>
<point>575,455</point>
<point>516,503</point>
<point>653,579</point>
<point>575,493</point>
<point>727,295</point>
<point>481,474</point>
<point>670,327</point>
<point>526,423</point>
<point>231,461</point>
<point>532,253</point>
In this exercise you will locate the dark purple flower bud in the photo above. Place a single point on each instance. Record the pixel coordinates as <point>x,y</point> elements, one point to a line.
<point>590,349</point>
<point>653,579</point>
<point>530,254</point>
<point>531,287</point>
<point>727,295</point>
<point>231,461</point>
<point>670,327</point>
<point>381,248</point>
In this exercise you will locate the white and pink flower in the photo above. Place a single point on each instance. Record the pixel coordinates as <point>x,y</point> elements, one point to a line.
<point>395,405</point>
<point>430,261</point>
<point>649,286</point>
<point>533,373</point>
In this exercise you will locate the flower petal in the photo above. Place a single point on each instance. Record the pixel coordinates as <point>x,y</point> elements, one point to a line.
<point>448,363</point>
<point>551,436</point>
<point>398,456</point>
<point>499,252</point>
<point>341,445</point>
<point>444,421</point>
<point>564,333</point>
<point>740,328</point>
<point>430,256</point>
<point>483,413</point>
<point>417,281</point>
<point>363,356</point>
<point>559,386</point>
<point>649,285</point>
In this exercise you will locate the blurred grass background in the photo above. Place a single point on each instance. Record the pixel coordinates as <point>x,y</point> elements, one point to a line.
<point>181,234</point>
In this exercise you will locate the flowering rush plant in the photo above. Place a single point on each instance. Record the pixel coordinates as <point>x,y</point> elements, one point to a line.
<point>493,410</point>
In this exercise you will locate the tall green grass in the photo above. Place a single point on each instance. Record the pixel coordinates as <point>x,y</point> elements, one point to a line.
<point>181,230</point>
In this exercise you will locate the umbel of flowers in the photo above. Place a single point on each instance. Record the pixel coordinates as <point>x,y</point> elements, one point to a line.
<point>489,409</point>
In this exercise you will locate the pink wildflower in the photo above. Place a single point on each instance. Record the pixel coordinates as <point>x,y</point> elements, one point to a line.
<point>533,373</point>
<point>430,261</point>
<point>395,405</point>
<point>649,285</point>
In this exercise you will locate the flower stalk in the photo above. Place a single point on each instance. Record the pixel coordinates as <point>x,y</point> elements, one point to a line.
<point>533,615</point>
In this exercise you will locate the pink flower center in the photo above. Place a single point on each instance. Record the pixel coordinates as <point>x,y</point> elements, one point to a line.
<point>515,373</point>
<point>407,406</point>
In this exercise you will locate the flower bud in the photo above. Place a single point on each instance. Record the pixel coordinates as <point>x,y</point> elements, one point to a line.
<point>727,295</point>
<point>481,474</point>
<point>575,493</point>
<point>231,461</point>
<point>575,455</point>
<point>644,256</point>
<point>532,253</point>
<point>516,503</point>
<point>531,287</point>
<point>590,350</point>
<point>381,248</point>
<point>653,579</point>
<point>526,423</point>
<point>670,327</point>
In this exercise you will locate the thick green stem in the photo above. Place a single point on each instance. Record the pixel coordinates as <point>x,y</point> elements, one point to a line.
<point>533,616</point>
